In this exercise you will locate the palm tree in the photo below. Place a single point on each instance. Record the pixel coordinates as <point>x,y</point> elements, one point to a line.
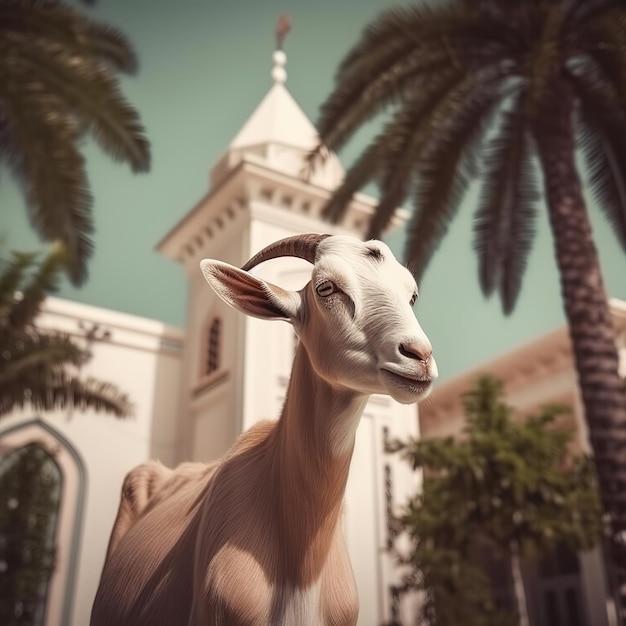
<point>40,369</point>
<point>58,85</point>
<point>512,84</point>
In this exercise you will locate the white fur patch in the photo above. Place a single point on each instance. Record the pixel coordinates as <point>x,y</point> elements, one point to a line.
<point>299,606</point>
<point>344,433</point>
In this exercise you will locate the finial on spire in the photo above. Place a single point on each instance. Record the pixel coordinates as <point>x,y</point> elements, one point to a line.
<point>279,74</point>
<point>282,29</point>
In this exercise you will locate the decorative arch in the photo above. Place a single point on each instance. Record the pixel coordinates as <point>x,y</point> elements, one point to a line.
<point>46,450</point>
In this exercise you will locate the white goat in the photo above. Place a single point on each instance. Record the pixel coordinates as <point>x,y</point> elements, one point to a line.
<point>255,538</point>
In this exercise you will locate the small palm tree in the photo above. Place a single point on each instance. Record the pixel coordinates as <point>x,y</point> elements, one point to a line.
<point>37,368</point>
<point>511,85</point>
<point>58,85</point>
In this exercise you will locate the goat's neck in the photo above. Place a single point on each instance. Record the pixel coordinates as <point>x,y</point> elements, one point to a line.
<point>314,439</point>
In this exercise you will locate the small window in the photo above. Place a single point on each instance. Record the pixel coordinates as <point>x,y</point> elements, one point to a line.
<point>213,347</point>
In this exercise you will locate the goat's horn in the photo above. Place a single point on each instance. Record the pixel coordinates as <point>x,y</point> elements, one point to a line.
<point>301,246</point>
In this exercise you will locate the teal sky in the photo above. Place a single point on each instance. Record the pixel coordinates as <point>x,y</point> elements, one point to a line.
<point>204,66</point>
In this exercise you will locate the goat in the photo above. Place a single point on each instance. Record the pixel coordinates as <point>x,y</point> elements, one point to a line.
<point>255,538</point>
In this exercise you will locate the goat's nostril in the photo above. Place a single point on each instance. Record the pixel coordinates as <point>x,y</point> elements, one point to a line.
<point>413,351</point>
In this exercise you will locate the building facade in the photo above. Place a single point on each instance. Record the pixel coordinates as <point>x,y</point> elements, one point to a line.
<point>570,590</point>
<point>91,452</point>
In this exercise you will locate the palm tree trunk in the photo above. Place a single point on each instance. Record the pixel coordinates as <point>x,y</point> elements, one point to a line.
<point>587,311</point>
<point>518,585</point>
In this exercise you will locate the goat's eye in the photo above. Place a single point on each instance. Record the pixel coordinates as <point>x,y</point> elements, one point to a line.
<point>326,288</point>
<point>413,298</point>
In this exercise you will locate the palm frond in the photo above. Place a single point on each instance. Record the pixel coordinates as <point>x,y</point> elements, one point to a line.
<point>34,292</point>
<point>362,171</point>
<point>421,27</point>
<point>397,30</point>
<point>403,50</point>
<point>59,82</point>
<point>606,163</point>
<point>35,354</point>
<point>407,135</point>
<point>86,89</point>
<point>39,368</point>
<point>12,272</point>
<point>603,39</point>
<point>589,11</point>
<point>446,167</point>
<point>386,149</point>
<point>602,124</point>
<point>40,146</point>
<point>64,28</point>
<point>60,390</point>
<point>355,101</point>
<point>504,225</point>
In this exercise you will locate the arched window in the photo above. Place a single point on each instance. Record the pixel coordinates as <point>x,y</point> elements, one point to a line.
<point>42,498</point>
<point>213,347</point>
<point>30,484</point>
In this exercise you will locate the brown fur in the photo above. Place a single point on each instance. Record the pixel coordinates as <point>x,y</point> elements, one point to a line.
<point>227,543</point>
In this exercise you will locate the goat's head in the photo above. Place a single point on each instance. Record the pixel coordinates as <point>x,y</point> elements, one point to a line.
<point>354,317</point>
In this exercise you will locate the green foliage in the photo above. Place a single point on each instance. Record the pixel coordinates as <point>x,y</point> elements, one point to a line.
<point>30,484</point>
<point>456,592</point>
<point>510,482</point>
<point>59,84</point>
<point>40,369</point>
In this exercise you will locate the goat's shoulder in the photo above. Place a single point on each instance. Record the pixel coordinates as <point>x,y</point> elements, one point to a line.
<point>141,483</point>
<point>152,482</point>
<point>138,488</point>
<point>196,475</point>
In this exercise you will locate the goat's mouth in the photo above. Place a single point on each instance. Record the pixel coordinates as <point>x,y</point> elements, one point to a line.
<point>418,385</point>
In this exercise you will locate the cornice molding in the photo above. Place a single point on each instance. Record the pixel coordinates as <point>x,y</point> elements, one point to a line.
<point>525,367</point>
<point>252,181</point>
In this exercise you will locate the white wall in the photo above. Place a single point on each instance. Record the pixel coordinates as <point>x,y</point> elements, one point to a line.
<point>136,361</point>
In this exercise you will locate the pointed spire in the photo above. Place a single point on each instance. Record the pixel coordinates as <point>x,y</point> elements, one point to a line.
<point>279,122</point>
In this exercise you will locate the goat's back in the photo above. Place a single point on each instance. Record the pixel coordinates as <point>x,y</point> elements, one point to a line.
<point>147,576</point>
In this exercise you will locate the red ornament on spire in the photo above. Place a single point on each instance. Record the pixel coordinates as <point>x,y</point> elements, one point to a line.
<point>282,28</point>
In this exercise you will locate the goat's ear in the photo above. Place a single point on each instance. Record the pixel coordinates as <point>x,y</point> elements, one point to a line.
<point>250,294</point>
